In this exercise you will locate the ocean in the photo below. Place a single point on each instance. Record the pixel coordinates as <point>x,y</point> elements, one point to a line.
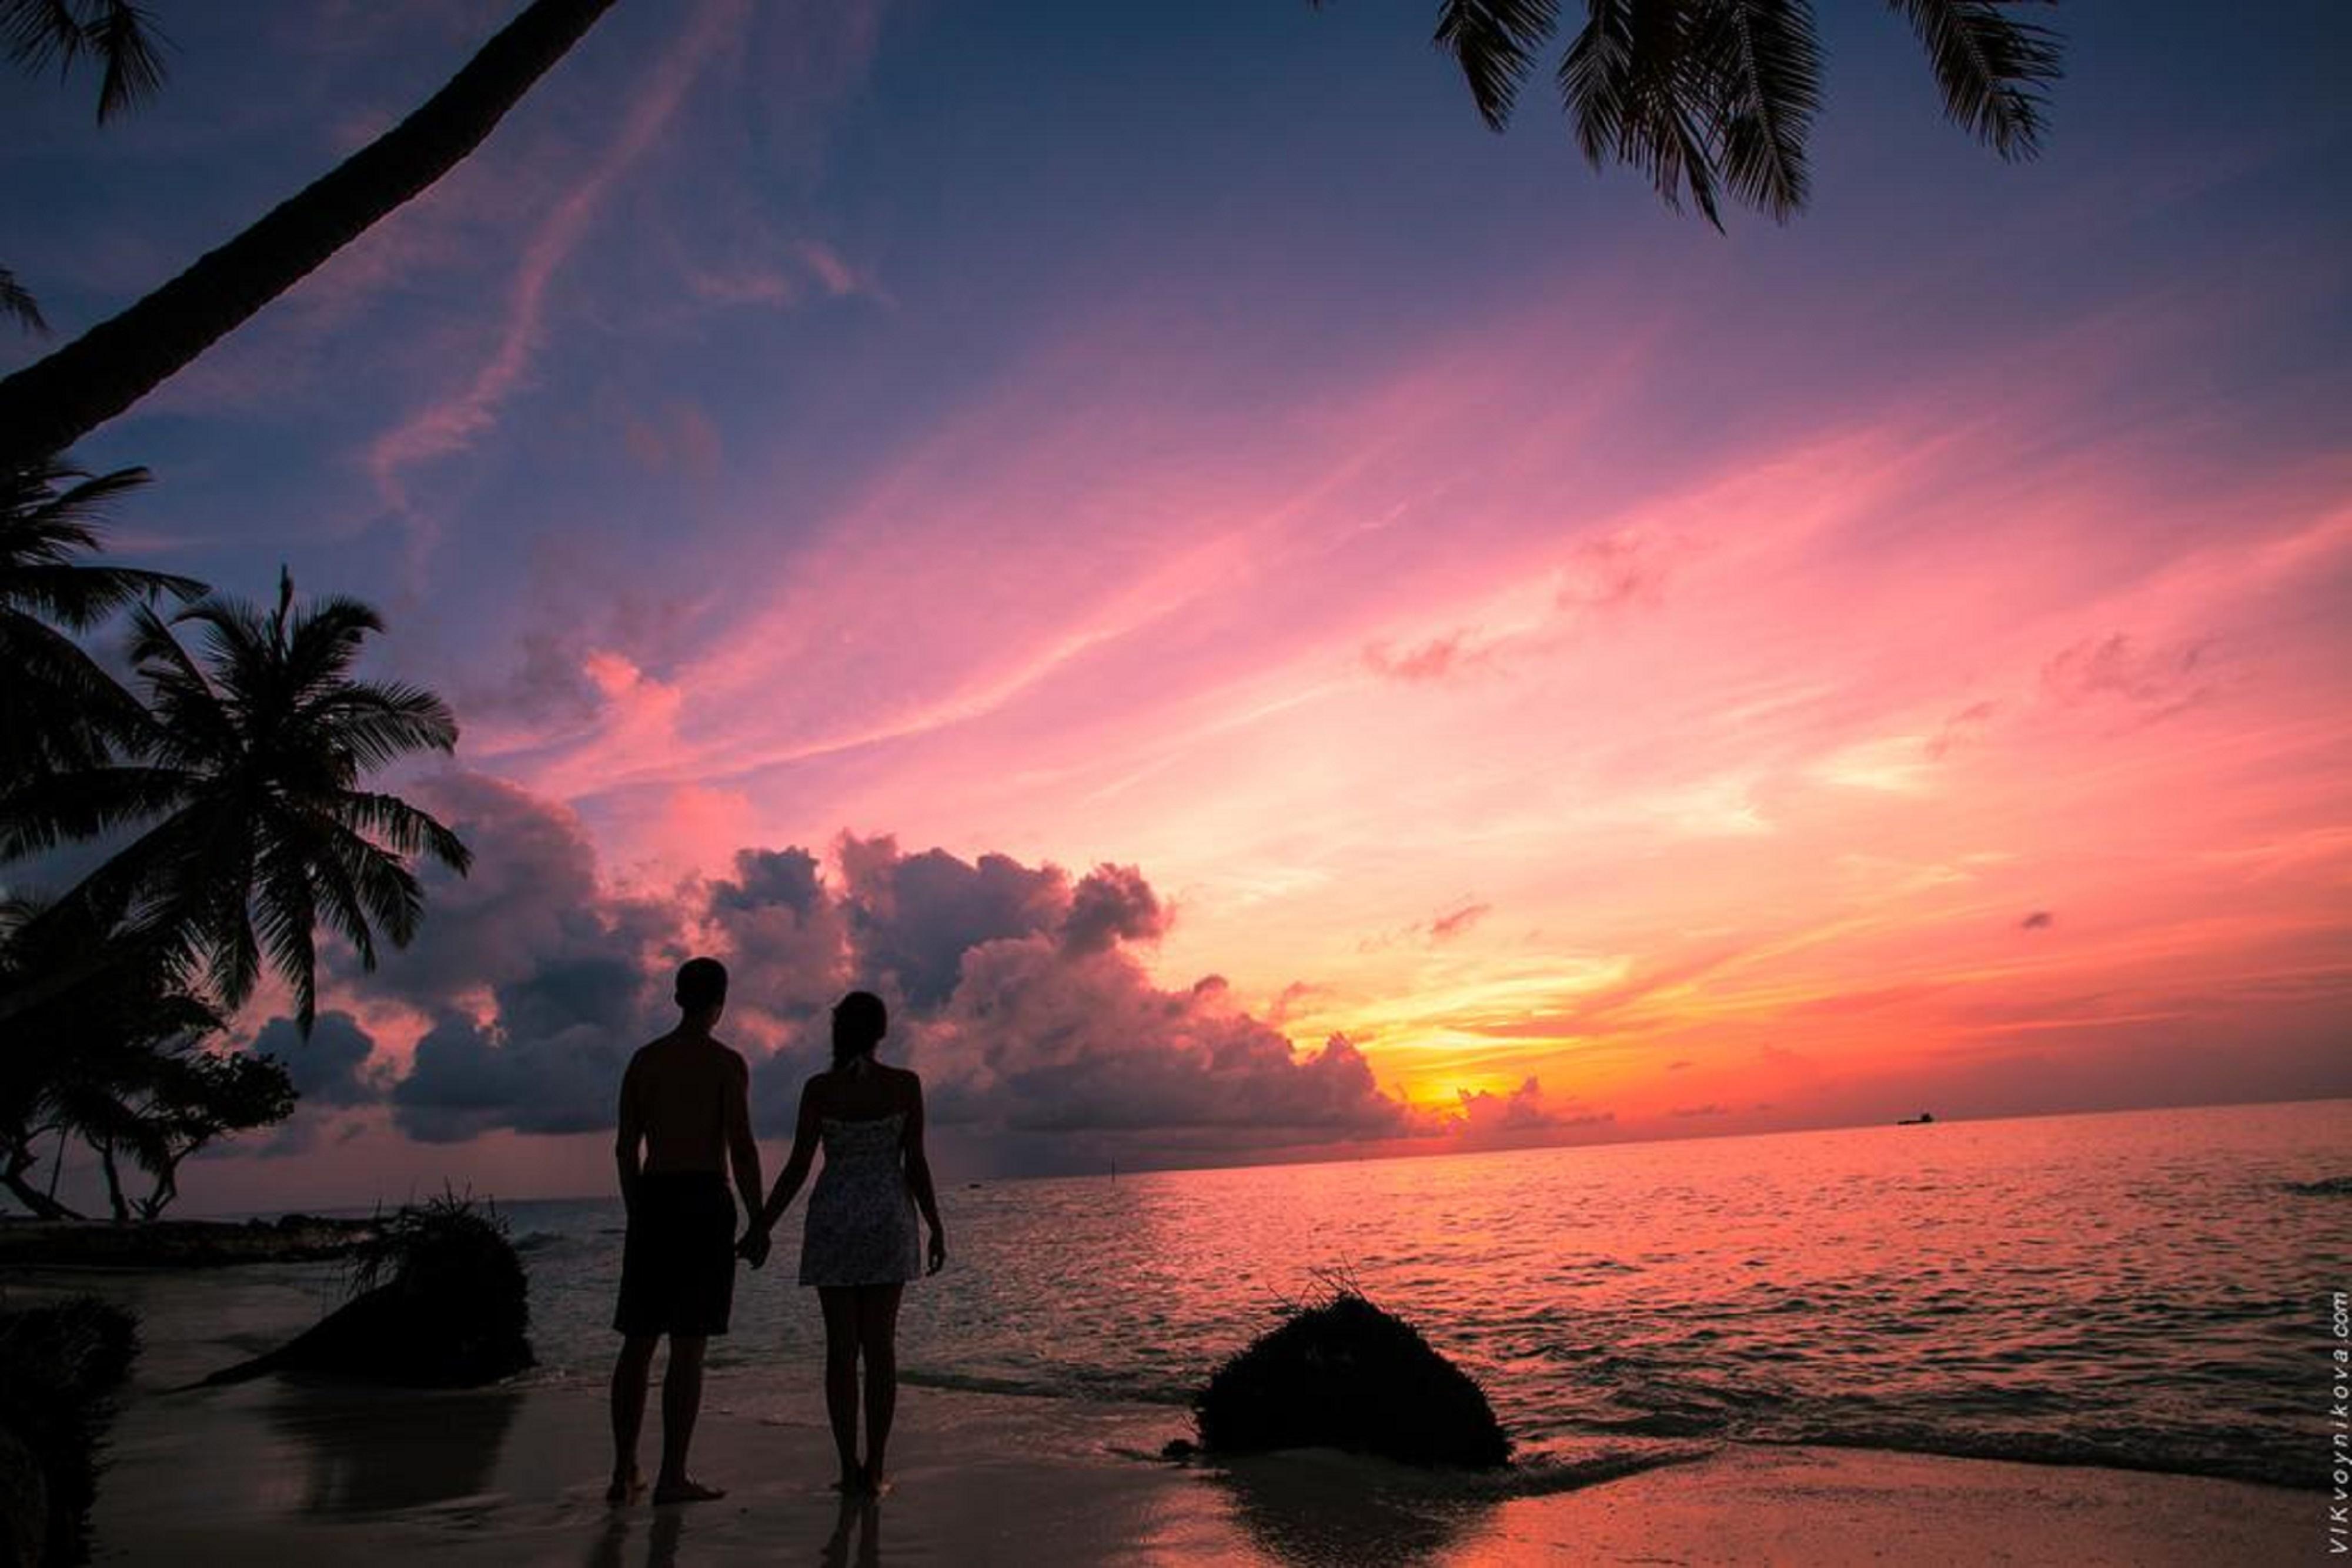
<point>2144,1289</point>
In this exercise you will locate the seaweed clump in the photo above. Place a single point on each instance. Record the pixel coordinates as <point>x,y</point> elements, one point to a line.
<point>439,1301</point>
<point>1347,1374</point>
<point>60,1365</point>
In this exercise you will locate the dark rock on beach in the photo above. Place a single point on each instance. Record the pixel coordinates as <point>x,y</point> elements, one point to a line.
<point>1346,1375</point>
<point>60,1364</point>
<point>440,1301</point>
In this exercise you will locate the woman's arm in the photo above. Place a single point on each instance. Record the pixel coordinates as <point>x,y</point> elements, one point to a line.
<point>754,1245</point>
<point>919,1180</point>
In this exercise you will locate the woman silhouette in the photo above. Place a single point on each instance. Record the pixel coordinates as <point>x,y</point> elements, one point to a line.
<point>859,1247</point>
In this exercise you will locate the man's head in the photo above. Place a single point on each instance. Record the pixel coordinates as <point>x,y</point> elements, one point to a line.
<point>703,989</point>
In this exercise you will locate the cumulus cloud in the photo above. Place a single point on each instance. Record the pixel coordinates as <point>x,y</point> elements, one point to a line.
<point>330,1068</point>
<point>914,918</point>
<point>1113,905</point>
<point>538,979</point>
<point>1037,1039</point>
<point>1018,991</point>
<point>1486,1113</point>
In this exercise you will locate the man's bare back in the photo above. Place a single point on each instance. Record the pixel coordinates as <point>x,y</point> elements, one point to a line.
<point>684,1093</point>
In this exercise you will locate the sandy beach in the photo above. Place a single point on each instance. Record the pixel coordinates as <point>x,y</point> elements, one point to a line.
<point>279,1472</point>
<point>276,1473</point>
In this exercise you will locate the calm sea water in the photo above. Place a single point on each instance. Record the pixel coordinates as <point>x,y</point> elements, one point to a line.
<point>2146,1289</point>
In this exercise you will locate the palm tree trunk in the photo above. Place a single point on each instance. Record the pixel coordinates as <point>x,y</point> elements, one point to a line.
<point>47,406</point>
<point>114,1197</point>
<point>39,1205</point>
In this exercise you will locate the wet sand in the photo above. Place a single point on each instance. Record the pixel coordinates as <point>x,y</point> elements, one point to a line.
<point>272,1472</point>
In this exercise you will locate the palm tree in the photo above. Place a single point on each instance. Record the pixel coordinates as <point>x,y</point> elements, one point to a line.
<point>1699,94</point>
<point>52,404</point>
<point>57,707</point>
<point>252,830</point>
<point>75,1064</point>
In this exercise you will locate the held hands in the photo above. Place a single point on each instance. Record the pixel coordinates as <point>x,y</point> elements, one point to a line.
<point>754,1248</point>
<point>939,1253</point>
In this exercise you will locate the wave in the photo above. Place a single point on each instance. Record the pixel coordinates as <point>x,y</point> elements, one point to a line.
<point>2326,1186</point>
<point>2224,1454</point>
<point>1068,1386</point>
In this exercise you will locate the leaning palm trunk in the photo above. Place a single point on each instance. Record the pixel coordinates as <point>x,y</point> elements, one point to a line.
<point>49,405</point>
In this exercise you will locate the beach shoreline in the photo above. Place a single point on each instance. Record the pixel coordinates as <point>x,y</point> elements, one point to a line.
<point>514,1476</point>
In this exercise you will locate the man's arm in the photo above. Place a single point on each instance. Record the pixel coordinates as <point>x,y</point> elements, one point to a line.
<point>742,1150</point>
<point>629,1138</point>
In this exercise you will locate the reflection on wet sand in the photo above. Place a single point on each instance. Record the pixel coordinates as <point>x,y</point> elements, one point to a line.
<point>860,1518</point>
<point>612,1548</point>
<point>374,1450</point>
<point>1317,1509</point>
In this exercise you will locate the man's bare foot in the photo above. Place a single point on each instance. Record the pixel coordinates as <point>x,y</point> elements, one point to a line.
<point>627,1484</point>
<point>685,1489</point>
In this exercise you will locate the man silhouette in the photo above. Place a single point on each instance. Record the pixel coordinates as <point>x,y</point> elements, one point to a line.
<point>685,1106</point>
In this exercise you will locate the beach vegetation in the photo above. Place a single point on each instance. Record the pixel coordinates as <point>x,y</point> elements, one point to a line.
<point>438,1300</point>
<point>225,788</point>
<point>59,1364</point>
<point>248,827</point>
<point>1710,99</point>
<point>1344,1373</point>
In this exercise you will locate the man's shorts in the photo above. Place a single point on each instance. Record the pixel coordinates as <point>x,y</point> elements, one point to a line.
<point>677,1266</point>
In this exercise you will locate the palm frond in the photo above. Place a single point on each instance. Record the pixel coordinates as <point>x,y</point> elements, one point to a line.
<point>127,44</point>
<point>1495,42</point>
<point>17,303</point>
<point>41,32</point>
<point>1635,95</point>
<point>120,36</point>
<point>1762,63</point>
<point>59,708</point>
<point>1990,67</point>
<point>193,721</point>
<point>402,829</point>
<point>285,914</point>
<point>345,911</point>
<point>378,724</point>
<point>44,810</point>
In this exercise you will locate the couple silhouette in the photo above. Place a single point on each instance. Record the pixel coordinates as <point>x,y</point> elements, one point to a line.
<point>685,1123</point>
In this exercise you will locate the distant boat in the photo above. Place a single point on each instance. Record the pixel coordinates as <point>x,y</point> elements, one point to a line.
<point>1921,1120</point>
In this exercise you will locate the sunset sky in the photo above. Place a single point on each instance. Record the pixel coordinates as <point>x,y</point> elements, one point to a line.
<point>1147,535</point>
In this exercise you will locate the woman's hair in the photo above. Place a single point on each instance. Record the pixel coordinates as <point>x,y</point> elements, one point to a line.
<point>859,1023</point>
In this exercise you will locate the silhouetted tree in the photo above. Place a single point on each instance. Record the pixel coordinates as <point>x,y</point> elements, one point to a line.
<point>68,1064</point>
<point>161,1105</point>
<point>58,708</point>
<point>251,829</point>
<point>49,405</point>
<point>1701,94</point>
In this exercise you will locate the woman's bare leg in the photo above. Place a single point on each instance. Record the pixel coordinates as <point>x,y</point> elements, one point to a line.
<point>840,1303</point>
<point>877,1339</point>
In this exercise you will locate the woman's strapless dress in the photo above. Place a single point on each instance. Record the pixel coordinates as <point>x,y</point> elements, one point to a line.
<point>861,1216</point>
